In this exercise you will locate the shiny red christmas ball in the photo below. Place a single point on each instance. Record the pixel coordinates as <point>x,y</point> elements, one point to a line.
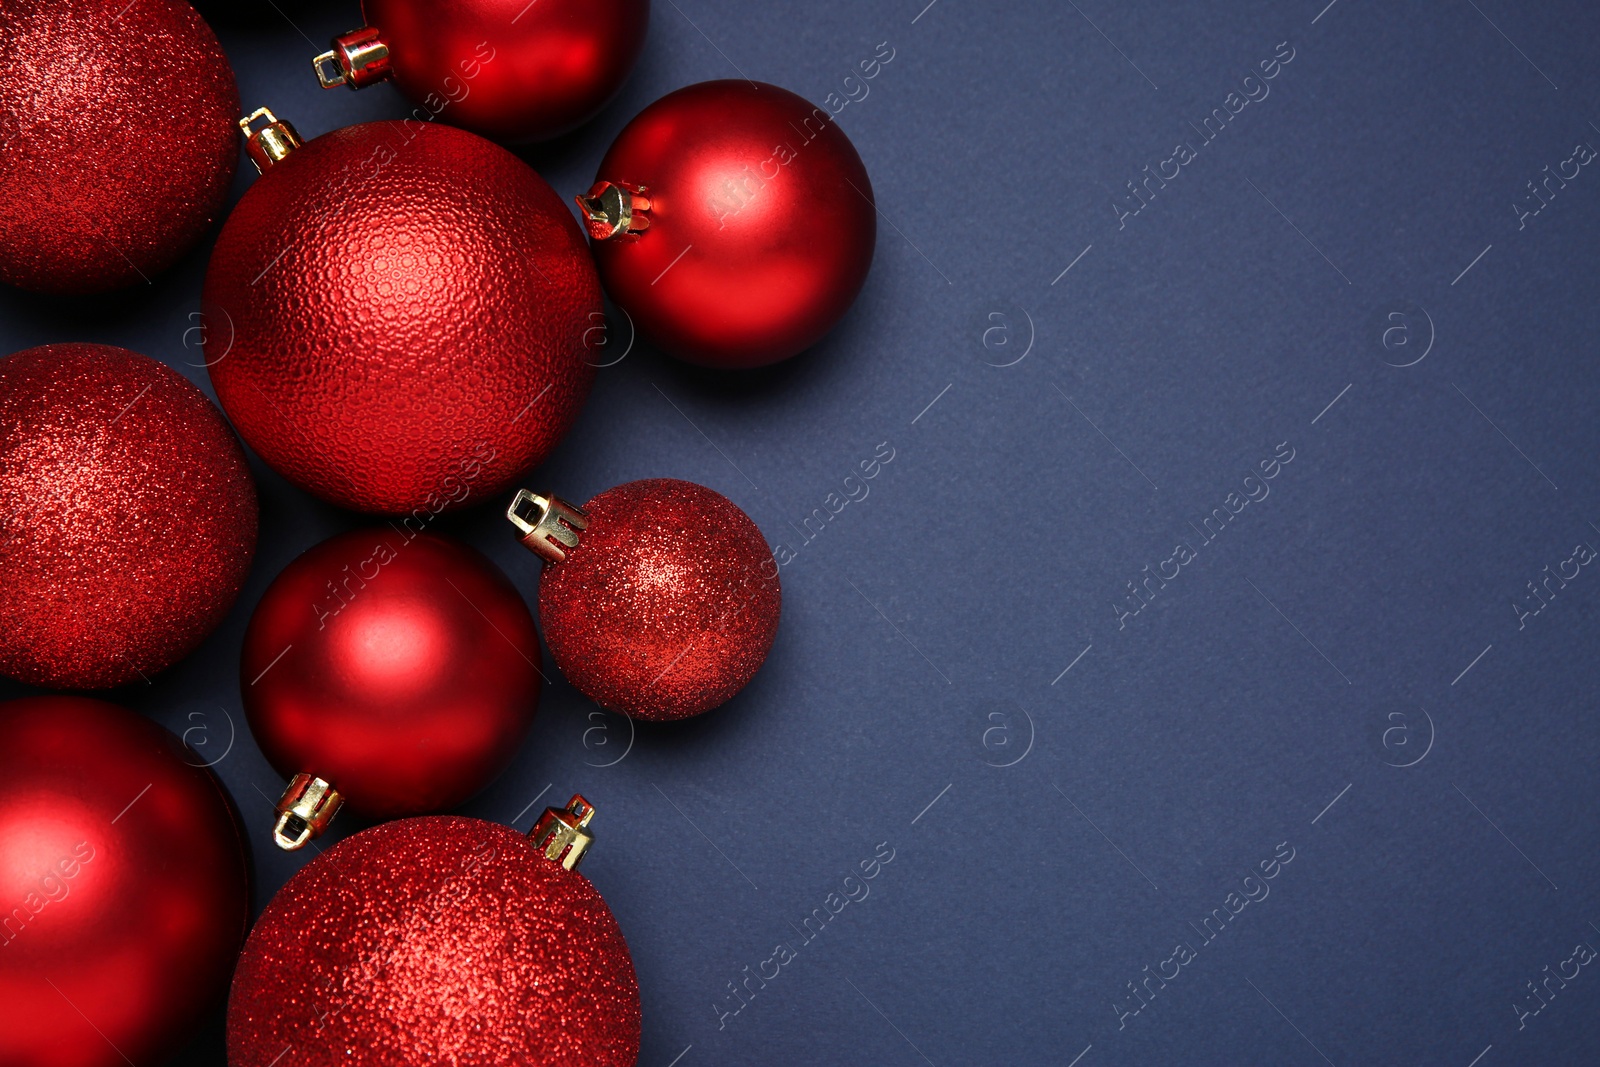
<point>734,222</point>
<point>123,878</point>
<point>508,69</point>
<point>659,598</point>
<point>119,143</point>
<point>400,315</point>
<point>127,516</point>
<point>399,667</point>
<point>439,940</point>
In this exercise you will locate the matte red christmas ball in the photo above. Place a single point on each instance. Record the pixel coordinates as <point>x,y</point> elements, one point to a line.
<point>439,940</point>
<point>119,146</point>
<point>392,670</point>
<point>659,598</point>
<point>508,69</point>
<point>399,315</point>
<point>734,222</point>
<point>129,516</point>
<point>122,872</point>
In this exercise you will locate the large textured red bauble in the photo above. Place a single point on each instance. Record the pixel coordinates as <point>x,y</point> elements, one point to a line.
<point>129,516</point>
<point>439,940</point>
<point>119,143</point>
<point>122,874</point>
<point>734,222</point>
<point>399,317</point>
<point>508,69</point>
<point>400,667</point>
<point>664,602</point>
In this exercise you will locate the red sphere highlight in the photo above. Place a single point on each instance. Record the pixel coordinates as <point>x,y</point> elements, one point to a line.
<point>435,940</point>
<point>122,875</point>
<point>130,516</point>
<point>402,669</point>
<point>120,144</point>
<point>400,318</point>
<point>669,603</point>
<point>762,224</point>
<point>510,69</point>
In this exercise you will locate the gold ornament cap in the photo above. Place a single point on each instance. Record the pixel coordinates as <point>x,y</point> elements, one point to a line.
<point>357,59</point>
<point>306,808</point>
<point>272,143</point>
<point>613,209</point>
<point>562,834</point>
<point>548,525</point>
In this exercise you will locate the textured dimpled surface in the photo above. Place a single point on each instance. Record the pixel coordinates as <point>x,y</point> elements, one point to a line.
<point>437,940</point>
<point>398,317</point>
<point>667,606</point>
<point>110,169</point>
<point>127,516</point>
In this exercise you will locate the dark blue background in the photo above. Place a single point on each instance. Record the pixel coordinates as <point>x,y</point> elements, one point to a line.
<point>926,631</point>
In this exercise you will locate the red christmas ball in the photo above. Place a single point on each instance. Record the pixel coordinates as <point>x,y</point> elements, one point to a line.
<point>127,516</point>
<point>508,69</point>
<point>399,667</point>
<point>123,878</point>
<point>659,598</point>
<point>117,121</point>
<point>399,315</point>
<point>734,222</point>
<point>437,940</point>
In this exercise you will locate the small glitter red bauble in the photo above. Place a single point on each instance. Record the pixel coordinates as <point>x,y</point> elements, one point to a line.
<point>123,878</point>
<point>399,317</point>
<point>127,516</point>
<point>119,144</point>
<point>734,221</point>
<point>661,602</point>
<point>508,69</point>
<point>400,667</point>
<point>438,940</point>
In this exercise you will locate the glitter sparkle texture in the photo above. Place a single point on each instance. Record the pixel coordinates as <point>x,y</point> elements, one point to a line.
<point>436,940</point>
<point>127,516</point>
<point>669,603</point>
<point>117,122</point>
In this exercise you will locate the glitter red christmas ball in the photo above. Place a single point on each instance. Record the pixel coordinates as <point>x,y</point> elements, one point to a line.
<point>117,122</point>
<point>438,940</point>
<point>122,874</point>
<point>400,315</point>
<point>661,602</point>
<point>508,69</point>
<point>127,516</point>
<point>734,221</point>
<point>400,667</point>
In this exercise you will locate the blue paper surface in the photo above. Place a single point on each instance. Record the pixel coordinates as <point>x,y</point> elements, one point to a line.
<point>1076,662</point>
